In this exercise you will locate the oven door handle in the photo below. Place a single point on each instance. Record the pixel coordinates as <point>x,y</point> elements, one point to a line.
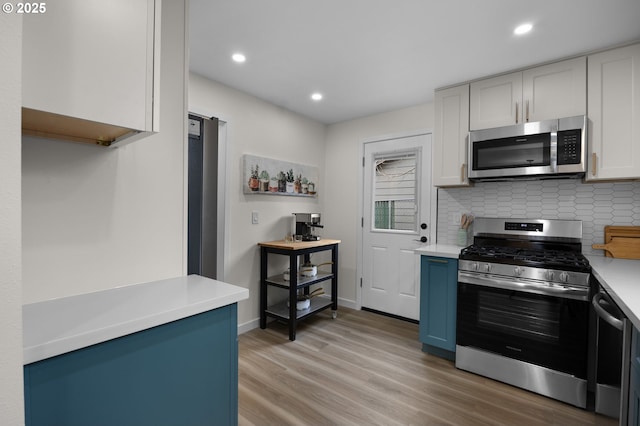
<point>519,284</point>
<point>601,300</point>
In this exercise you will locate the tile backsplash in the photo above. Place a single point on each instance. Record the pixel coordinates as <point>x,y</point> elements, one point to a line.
<point>596,205</point>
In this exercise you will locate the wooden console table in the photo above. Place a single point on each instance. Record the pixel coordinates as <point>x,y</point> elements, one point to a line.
<point>296,282</point>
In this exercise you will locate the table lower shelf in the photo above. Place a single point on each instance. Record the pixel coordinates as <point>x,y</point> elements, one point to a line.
<point>279,281</point>
<point>281,310</point>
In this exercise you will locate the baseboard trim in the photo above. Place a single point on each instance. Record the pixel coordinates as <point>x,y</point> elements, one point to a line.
<point>248,326</point>
<point>386,314</point>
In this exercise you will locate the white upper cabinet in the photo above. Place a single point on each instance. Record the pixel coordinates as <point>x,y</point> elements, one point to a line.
<point>614,113</point>
<point>450,136</point>
<point>550,91</point>
<point>555,90</point>
<point>496,101</point>
<point>92,61</point>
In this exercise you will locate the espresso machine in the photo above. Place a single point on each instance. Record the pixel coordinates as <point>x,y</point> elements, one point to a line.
<point>304,224</point>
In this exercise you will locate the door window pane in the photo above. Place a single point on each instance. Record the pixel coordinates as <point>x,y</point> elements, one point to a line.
<point>395,189</point>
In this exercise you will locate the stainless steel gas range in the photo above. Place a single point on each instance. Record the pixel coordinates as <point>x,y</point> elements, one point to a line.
<point>523,306</point>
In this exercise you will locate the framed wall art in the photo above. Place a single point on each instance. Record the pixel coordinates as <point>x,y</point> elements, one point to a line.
<point>276,177</point>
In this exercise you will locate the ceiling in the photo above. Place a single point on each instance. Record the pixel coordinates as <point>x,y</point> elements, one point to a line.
<point>372,56</point>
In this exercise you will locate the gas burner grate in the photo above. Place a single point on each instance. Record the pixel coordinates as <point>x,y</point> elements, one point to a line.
<point>558,259</point>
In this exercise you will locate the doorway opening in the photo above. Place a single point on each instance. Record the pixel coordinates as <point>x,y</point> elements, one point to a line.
<point>206,197</point>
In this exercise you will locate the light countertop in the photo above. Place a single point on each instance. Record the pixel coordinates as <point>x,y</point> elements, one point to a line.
<point>441,250</point>
<point>621,279</point>
<point>58,326</point>
<point>298,245</point>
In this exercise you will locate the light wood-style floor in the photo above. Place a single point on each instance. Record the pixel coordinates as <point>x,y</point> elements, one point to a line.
<point>367,369</point>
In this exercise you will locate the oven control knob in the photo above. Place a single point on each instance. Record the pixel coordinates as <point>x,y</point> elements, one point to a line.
<point>564,277</point>
<point>550,275</point>
<point>486,267</point>
<point>517,271</point>
<point>474,266</point>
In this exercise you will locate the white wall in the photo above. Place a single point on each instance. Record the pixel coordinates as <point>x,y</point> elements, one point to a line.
<point>343,159</point>
<point>96,218</point>
<point>258,128</point>
<point>11,394</point>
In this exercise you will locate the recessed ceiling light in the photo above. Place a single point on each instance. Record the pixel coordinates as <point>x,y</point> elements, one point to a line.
<point>238,57</point>
<point>316,96</point>
<point>522,29</point>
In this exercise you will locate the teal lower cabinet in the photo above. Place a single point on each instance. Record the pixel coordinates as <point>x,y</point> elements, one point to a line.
<point>438,295</point>
<point>181,373</point>
<point>634,386</point>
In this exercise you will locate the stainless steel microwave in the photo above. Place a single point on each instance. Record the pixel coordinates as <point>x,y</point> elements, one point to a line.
<point>543,149</point>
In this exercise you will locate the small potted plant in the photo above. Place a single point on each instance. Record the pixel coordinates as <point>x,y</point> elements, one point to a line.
<point>290,180</point>
<point>273,185</point>
<point>305,185</point>
<point>264,181</point>
<point>282,182</point>
<point>297,185</point>
<point>254,183</point>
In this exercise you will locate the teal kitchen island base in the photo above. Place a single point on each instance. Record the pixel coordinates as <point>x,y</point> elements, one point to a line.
<point>181,373</point>
<point>183,370</point>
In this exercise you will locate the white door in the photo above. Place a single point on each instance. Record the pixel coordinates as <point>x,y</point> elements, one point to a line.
<point>397,188</point>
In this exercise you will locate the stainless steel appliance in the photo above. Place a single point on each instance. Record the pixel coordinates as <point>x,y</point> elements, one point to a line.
<point>543,149</point>
<point>202,198</point>
<point>523,306</point>
<point>612,351</point>
<point>304,225</point>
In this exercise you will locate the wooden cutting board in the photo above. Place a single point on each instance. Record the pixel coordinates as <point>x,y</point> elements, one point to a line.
<point>621,241</point>
<point>611,231</point>
<point>621,247</point>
